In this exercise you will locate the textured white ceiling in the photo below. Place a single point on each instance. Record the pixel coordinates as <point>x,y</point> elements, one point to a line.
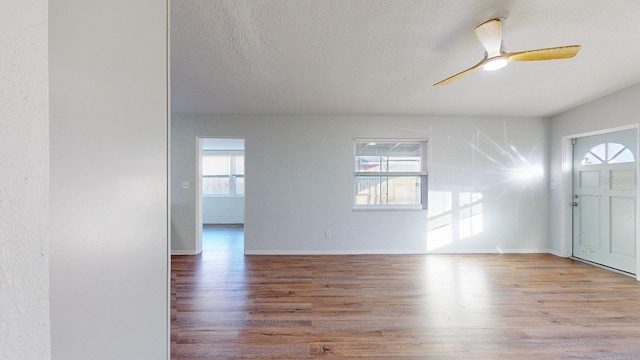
<point>382,57</point>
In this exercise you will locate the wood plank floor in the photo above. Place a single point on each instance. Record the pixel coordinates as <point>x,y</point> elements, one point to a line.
<point>229,306</point>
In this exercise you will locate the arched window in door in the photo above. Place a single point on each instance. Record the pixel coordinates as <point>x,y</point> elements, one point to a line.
<point>608,153</point>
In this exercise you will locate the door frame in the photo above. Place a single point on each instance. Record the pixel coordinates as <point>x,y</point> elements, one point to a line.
<point>198,183</point>
<point>566,210</point>
<point>199,141</point>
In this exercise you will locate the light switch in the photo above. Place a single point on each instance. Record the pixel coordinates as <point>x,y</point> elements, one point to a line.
<point>186,185</point>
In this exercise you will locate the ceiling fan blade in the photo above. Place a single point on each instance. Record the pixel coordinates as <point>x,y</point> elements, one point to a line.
<point>460,74</point>
<point>561,52</point>
<point>490,35</point>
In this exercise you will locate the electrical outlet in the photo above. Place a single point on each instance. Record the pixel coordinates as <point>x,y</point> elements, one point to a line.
<point>327,234</point>
<point>186,185</point>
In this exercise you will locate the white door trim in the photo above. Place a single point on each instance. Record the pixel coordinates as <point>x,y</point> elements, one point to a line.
<point>198,239</point>
<point>198,184</point>
<point>566,215</point>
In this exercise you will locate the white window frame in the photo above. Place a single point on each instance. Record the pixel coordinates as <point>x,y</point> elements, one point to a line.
<point>232,172</point>
<point>423,174</point>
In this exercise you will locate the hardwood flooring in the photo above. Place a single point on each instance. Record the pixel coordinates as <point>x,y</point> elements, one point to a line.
<point>229,306</point>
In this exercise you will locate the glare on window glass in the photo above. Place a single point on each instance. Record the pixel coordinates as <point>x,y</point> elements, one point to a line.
<point>239,185</point>
<point>239,164</point>
<point>215,165</point>
<point>215,185</point>
<point>609,153</point>
<point>625,156</point>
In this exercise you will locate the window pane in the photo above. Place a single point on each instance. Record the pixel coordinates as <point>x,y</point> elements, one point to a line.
<point>367,190</point>
<point>615,154</point>
<point>388,149</point>
<point>239,185</point>
<point>599,151</point>
<point>404,164</point>
<point>613,149</point>
<point>624,157</point>
<point>370,164</point>
<point>215,165</point>
<point>239,159</point>
<point>387,164</point>
<point>387,190</point>
<point>590,159</point>
<point>405,149</point>
<point>215,186</point>
<point>372,149</point>
<point>388,157</point>
<point>404,190</point>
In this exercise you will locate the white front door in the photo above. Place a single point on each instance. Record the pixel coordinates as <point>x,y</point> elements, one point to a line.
<point>604,199</point>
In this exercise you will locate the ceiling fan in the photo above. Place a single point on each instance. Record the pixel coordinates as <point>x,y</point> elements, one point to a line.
<point>490,35</point>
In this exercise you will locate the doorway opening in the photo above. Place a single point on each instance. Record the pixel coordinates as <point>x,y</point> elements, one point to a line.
<point>220,199</point>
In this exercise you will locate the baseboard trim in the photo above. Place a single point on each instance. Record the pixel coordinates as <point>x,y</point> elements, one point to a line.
<point>335,252</point>
<point>183,252</point>
<point>490,251</point>
<point>395,252</point>
<point>556,253</point>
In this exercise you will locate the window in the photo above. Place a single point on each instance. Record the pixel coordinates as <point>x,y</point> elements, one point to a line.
<point>390,174</point>
<point>608,153</point>
<point>222,173</point>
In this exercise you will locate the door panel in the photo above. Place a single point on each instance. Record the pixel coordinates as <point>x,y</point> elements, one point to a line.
<point>589,179</point>
<point>604,213</point>
<point>589,229</point>
<point>623,229</point>
<point>622,179</point>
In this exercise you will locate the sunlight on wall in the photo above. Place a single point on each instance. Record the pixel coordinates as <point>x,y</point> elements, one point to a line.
<point>451,220</point>
<point>512,166</point>
<point>470,214</point>
<point>495,169</point>
<point>526,173</point>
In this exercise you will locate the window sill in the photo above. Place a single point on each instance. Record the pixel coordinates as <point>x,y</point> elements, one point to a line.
<point>223,196</point>
<point>389,208</point>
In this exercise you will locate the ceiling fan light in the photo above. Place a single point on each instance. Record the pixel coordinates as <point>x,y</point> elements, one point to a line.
<point>495,63</point>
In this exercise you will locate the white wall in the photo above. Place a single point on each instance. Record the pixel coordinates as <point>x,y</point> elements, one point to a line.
<point>618,109</point>
<point>24,163</point>
<point>300,182</point>
<point>108,184</point>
